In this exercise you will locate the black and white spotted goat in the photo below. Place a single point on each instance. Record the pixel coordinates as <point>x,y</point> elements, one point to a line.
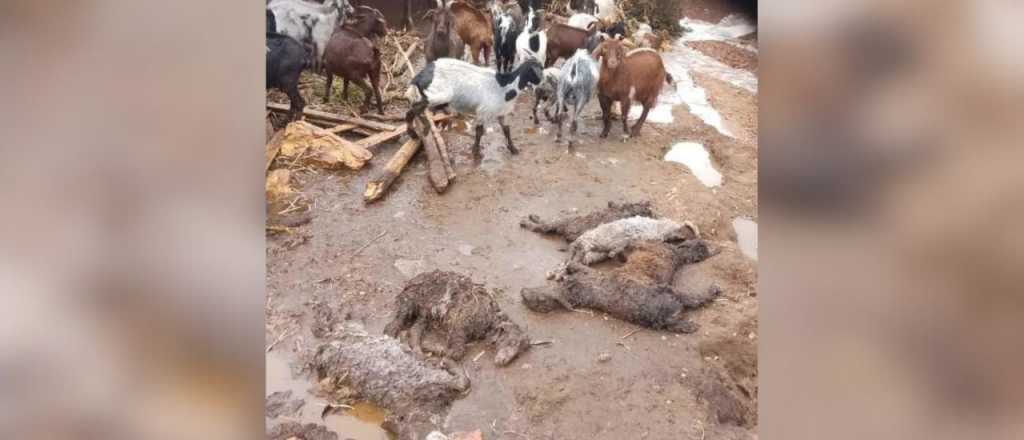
<point>472,90</point>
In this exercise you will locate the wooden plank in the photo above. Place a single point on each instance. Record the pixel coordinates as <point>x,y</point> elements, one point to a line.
<point>342,128</point>
<point>378,185</point>
<point>442,147</point>
<point>370,143</point>
<point>436,171</point>
<point>338,119</point>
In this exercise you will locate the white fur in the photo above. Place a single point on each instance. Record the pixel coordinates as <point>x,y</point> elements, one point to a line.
<point>523,51</point>
<point>581,21</point>
<point>467,89</point>
<point>289,15</point>
<point>606,9</point>
<point>610,239</point>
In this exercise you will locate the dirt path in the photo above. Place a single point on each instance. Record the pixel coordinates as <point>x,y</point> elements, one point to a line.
<point>649,388</point>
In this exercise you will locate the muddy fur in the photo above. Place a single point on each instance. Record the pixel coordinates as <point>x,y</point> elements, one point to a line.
<point>309,431</point>
<point>461,311</point>
<point>281,404</point>
<point>639,291</point>
<point>381,370</point>
<point>611,239</point>
<point>572,226</point>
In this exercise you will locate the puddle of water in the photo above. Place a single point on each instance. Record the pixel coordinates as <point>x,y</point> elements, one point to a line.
<point>746,236</point>
<point>362,422</point>
<point>697,159</point>
<point>660,114</point>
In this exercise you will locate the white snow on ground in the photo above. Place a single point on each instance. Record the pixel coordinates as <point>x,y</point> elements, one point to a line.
<point>697,159</point>
<point>746,236</point>
<point>730,28</point>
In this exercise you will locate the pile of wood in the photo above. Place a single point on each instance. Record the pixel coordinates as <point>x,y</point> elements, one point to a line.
<point>316,141</point>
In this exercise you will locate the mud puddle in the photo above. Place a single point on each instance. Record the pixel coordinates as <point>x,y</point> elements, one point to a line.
<point>697,159</point>
<point>362,422</point>
<point>746,236</point>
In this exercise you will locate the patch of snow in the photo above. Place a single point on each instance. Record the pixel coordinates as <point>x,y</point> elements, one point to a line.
<point>697,159</point>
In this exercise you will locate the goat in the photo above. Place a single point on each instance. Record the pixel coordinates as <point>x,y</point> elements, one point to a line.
<point>505,36</point>
<point>532,42</point>
<point>285,60</point>
<point>474,28</point>
<point>369,22</point>
<point>545,92</point>
<point>271,22</point>
<point>463,311</point>
<point>611,239</point>
<point>582,21</point>
<point>443,40</point>
<point>639,291</point>
<point>570,227</point>
<point>638,75</point>
<point>470,89</point>
<point>576,84</point>
<point>645,37</point>
<point>565,40</point>
<point>310,22</point>
<point>354,57</point>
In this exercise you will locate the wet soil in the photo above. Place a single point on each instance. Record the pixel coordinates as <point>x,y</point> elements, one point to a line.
<point>646,384</point>
<point>728,54</point>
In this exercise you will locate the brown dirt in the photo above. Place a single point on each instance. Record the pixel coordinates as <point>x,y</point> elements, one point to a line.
<point>649,388</point>
<point>732,56</point>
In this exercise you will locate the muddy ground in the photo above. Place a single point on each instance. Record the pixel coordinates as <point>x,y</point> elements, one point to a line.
<point>356,258</point>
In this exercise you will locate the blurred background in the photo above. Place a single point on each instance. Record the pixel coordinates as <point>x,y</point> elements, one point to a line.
<point>890,205</point>
<point>132,228</point>
<point>131,265</point>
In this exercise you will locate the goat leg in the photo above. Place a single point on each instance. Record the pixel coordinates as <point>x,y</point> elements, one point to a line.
<point>344,88</point>
<point>476,144</point>
<point>539,96</point>
<point>680,325</point>
<point>367,94</point>
<point>295,98</point>
<point>375,82</point>
<point>625,105</point>
<point>606,115</point>
<point>640,122</point>
<point>327,87</point>
<point>410,116</point>
<point>572,130</point>
<point>508,135</point>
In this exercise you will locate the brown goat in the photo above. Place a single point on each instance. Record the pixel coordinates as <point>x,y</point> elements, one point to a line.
<point>564,40</point>
<point>474,28</point>
<point>638,75</point>
<point>354,57</point>
<point>443,40</point>
<point>369,22</point>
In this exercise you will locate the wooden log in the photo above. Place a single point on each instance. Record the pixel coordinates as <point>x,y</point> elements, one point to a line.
<point>371,143</point>
<point>331,117</point>
<point>342,128</point>
<point>378,185</point>
<point>435,163</point>
<point>442,147</point>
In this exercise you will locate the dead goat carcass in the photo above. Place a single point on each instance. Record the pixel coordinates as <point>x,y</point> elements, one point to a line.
<point>639,291</point>
<point>572,226</point>
<point>611,239</point>
<point>461,310</point>
<point>384,372</point>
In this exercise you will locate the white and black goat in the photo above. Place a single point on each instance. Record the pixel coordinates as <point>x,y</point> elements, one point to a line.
<point>576,83</point>
<point>472,90</point>
<point>532,42</point>
<point>505,34</point>
<point>310,22</point>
